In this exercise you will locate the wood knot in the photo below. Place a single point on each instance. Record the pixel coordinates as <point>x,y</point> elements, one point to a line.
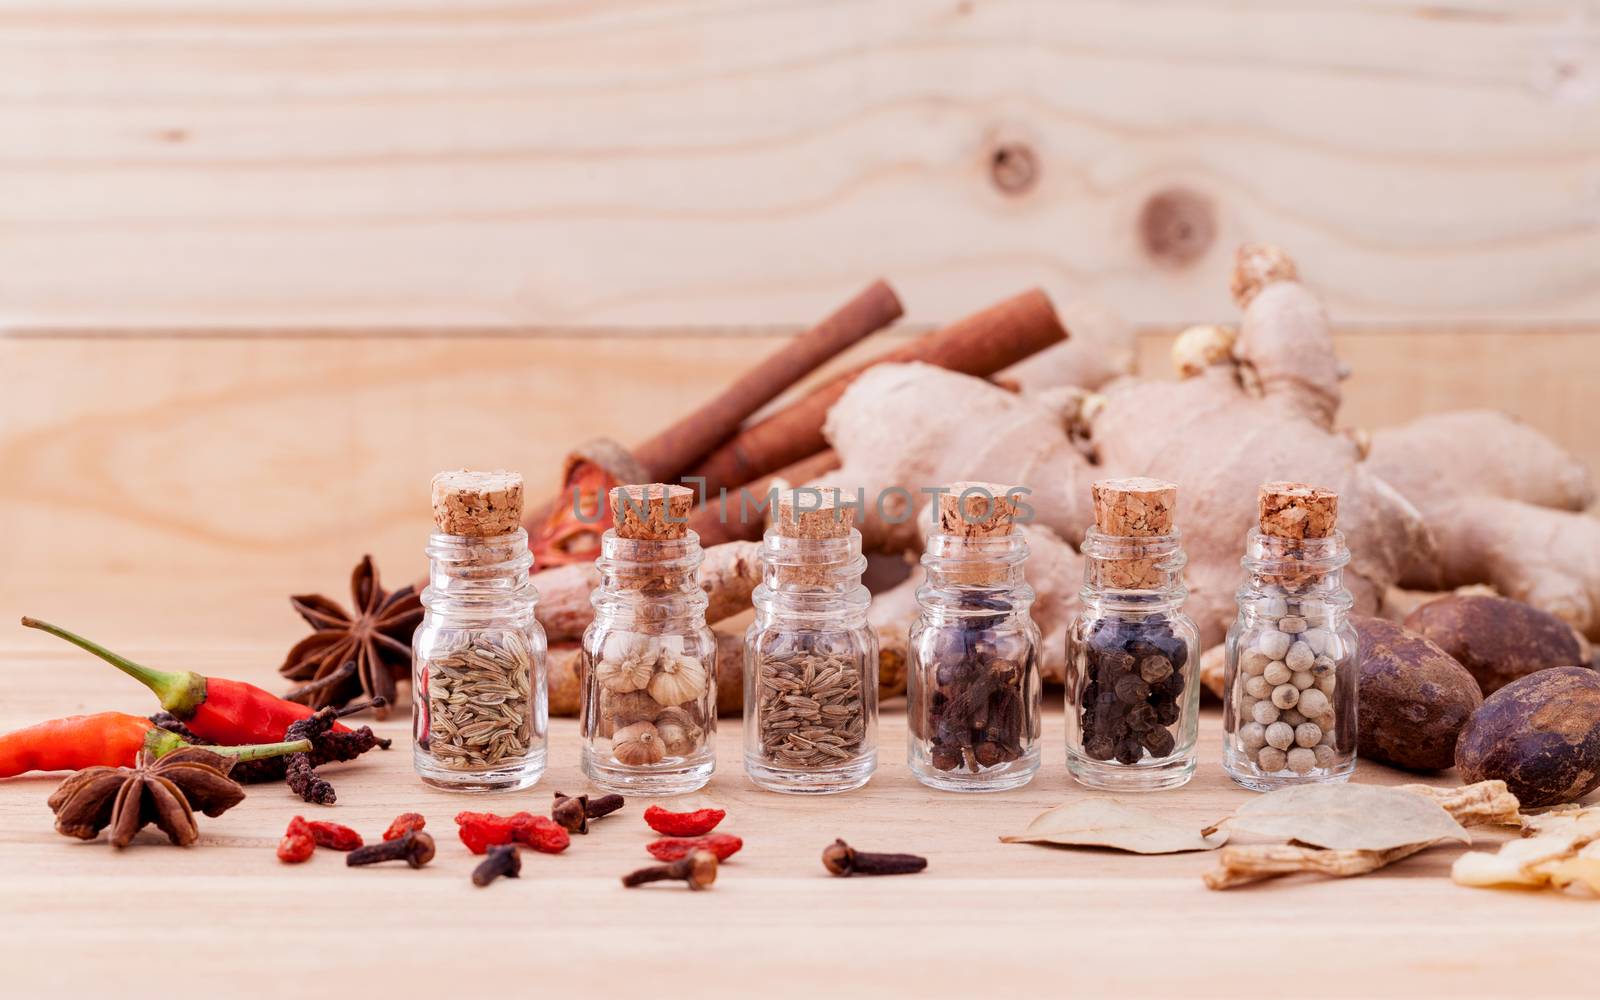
<point>1177,226</point>
<point>1014,167</point>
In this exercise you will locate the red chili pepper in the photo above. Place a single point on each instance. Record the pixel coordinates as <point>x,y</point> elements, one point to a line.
<point>295,847</point>
<point>686,824</point>
<point>334,836</point>
<point>111,739</point>
<point>404,824</point>
<point>216,708</point>
<point>481,831</point>
<point>723,845</point>
<point>540,833</point>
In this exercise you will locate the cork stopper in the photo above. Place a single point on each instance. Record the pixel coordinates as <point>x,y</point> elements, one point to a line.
<point>977,510</point>
<point>813,513</point>
<point>970,511</point>
<point>477,504</point>
<point>1134,508</point>
<point>651,512</point>
<point>1296,511</point>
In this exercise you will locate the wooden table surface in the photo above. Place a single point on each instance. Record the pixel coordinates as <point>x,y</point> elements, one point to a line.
<point>226,917</point>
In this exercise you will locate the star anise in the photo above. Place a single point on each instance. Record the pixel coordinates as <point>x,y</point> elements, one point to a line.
<point>165,791</point>
<point>377,638</point>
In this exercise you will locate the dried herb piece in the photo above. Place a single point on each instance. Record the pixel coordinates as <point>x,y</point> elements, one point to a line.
<point>1564,848</point>
<point>377,637</point>
<point>165,791</point>
<point>1483,803</point>
<point>1345,817</point>
<point>1108,823</point>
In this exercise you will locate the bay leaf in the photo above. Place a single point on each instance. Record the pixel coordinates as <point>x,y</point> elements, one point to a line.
<point>1108,823</point>
<point>1346,818</point>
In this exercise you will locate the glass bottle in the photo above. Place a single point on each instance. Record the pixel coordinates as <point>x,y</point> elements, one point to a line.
<point>479,711</point>
<point>1290,711</point>
<point>1133,705</point>
<point>972,686</point>
<point>810,658</point>
<point>649,710</point>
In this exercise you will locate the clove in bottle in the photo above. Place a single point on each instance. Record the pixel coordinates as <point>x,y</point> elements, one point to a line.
<point>972,686</point>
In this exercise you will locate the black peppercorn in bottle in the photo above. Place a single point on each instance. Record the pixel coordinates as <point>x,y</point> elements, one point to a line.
<point>1132,701</point>
<point>972,686</point>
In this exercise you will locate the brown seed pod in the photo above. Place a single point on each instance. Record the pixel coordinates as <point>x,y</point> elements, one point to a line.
<point>1414,698</point>
<point>1540,735</point>
<point>1497,639</point>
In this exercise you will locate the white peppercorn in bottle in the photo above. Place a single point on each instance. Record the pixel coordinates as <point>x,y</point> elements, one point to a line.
<point>972,686</point>
<point>1132,702</point>
<point>479,710</point>
<point>649,707</point>
<point>810,658</point>
<point>1289,714</point>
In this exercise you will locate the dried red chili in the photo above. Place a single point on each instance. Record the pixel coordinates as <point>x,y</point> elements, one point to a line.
<point>334,836</point>
<point>481,831</point>
<point>723,845</point>
<point>295,848</point>
<point>683,824</point>
<point>404,824</point>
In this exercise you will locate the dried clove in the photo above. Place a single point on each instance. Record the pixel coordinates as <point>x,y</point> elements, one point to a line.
<point>503,859</point>
<point>415,848</point>
<point>841,859</point>
<point>575,812</point>
<point>699,869</point>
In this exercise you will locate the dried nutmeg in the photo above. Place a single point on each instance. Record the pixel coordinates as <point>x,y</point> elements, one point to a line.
<point>841,859</point>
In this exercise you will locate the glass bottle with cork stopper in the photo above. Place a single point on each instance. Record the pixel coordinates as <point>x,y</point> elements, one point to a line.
<point>810,658</point>
<point>650,685</point>
<point>479,711</point>
<point>1133,705</point>
<point>1290,709</point>
<point>972,687</point>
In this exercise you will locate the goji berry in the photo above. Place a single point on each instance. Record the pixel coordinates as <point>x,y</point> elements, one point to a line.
<point>723,845</point>
<point>334,836</point>
<point>404,824</point>
<point>540,833</point>
<point>481,831</point>
<point>295,848</point>
<point>684,824</point>
<point>298,825</point>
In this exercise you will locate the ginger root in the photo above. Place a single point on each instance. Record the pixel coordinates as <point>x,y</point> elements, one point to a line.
<point>1504,505</point>
<point>1262,411</point>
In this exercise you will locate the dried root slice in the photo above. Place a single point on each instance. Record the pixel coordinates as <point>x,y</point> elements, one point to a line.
<point>1483,803</point>
<point>1238,866</point>
<point>1564,848</point>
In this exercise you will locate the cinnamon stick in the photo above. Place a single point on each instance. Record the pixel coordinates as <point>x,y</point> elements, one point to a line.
<point>664,457</point>
<point>980,344</point>
<point>715,521</point>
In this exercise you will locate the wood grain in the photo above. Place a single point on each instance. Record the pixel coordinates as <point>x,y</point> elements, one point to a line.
<point>700,161</point>
<point>984,915</point>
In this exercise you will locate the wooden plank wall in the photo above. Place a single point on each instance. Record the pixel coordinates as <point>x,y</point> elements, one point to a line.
<point>324,162</point>
<point>556,220</point>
